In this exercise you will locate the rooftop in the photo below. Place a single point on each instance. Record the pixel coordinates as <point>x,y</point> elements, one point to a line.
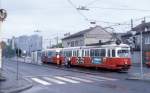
<point>81,33</point>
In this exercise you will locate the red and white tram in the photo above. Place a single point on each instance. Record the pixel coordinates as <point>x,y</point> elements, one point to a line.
<point>52,56</point>
<point>113,57</point>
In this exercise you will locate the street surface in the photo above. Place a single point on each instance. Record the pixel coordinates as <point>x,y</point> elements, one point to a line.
<point>53,79</point>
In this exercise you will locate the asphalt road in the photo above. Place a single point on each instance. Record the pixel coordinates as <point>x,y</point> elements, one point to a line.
<point>53,79</point>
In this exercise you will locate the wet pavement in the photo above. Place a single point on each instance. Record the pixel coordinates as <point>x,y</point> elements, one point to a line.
<point>53,79</point>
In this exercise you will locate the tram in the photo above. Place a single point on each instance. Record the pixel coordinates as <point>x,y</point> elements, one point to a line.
<point>113,56</point>
<point>52,56</point>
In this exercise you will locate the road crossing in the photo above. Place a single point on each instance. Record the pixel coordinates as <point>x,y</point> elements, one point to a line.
<point>66,79</point>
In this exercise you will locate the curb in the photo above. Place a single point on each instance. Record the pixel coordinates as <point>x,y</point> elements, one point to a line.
<point>2,78</point>
<point>19,89</point>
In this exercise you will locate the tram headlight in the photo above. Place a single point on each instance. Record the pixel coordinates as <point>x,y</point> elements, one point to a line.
<point>57,56</point>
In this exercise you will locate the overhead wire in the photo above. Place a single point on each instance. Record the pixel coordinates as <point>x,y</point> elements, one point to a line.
<point>113,23</point>
<point>77,10</point>
<point>85,17</point>
<point>111,8</point>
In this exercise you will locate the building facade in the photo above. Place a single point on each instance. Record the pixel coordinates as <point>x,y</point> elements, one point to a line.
<point>27,43</point>
<point>135,40</point>
<point>86,37</point>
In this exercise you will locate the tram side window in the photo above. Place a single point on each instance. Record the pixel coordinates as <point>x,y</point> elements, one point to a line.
<point>113,53</point>
<point>103,52</point>
<point>49,53</point>
<point>108,52</point>
<point>86,52</point>
<point>92,52</point>
<point>77,53</point>
<point>97,52</point>
<point>74,53</point>
<point>83,54</point>
<point>66,53</point>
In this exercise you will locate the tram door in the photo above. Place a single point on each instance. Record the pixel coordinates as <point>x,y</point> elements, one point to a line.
<point>80,56</point>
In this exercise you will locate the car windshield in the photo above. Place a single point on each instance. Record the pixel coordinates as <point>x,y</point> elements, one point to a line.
<point>123,53</point>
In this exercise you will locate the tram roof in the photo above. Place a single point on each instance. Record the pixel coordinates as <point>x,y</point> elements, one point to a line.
<point>57,49</point>
<point>115,45</point>
<point>102,46</point>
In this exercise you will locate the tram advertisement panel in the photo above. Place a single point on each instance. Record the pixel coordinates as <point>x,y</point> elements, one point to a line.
<point>96,60</point>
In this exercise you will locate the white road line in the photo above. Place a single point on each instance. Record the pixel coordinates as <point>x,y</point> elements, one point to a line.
<point>54,80</point>
<point>80,79</point>
<point>41,81</point>
<point>66,79</point>
<point>95,79</point>
<point>105,78</point>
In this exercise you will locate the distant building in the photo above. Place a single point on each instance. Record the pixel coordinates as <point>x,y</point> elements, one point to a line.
<point>135,41</point>
<point>27,43</point>
<point>92,36</point>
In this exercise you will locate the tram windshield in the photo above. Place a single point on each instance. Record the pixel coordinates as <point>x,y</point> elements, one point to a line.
<point>123,53</point>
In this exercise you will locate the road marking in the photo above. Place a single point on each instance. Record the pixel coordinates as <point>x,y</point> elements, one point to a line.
<point>66,79</point>
<point>105,78</point>
<point>41,81</point>
<point>80,79</point>
<point>95,79</point>
<point>54,80</point>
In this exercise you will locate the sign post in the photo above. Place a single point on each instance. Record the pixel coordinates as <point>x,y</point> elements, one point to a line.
<point>3,15</point>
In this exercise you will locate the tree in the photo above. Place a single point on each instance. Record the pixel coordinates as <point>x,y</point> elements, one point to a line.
<point>7,51</point>
<point>59,45</point>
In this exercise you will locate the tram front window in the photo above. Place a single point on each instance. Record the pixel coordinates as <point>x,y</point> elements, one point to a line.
<point>123,53</point>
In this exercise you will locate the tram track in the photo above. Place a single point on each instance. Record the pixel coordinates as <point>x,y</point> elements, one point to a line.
<point>91,71</point>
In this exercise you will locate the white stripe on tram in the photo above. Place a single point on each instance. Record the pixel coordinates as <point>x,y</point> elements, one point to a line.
<point>80,79</point>
<point>67,79</point>
<point>54,80</point>
<point>41,81</point>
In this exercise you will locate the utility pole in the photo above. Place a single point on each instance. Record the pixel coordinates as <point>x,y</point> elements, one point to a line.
<point>50,43</point>
<point>57,40</point>
<point>131,24</point>
<point>141,33</point>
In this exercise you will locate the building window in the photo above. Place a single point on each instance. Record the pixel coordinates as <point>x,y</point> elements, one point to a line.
<point>68,43</point>
<point>147,40</point>
<point>76,43</point>
<point>72,43</point>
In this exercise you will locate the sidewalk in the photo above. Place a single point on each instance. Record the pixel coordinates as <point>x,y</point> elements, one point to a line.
<point>137,77</point>
<point>26,60</point>
<point>11,84</point>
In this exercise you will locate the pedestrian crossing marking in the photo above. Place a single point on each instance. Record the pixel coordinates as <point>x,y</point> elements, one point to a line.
<point>100,77</point>
<point>41,81</point>
<point>51,80</point>
<point>80,79</point>
<point>67,79</point>
<point>95,79</point>
<point>54,80</point>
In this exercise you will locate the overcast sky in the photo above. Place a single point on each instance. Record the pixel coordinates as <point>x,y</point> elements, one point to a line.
<point>59,16</point>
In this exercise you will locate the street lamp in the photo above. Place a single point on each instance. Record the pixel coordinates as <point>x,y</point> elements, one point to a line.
<point>3,15</point>
<point>141,55</point>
